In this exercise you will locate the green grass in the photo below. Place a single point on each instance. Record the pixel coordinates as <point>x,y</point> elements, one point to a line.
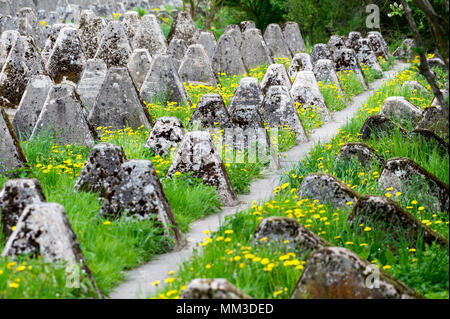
<point>422,267</point>
<point>111,247</point>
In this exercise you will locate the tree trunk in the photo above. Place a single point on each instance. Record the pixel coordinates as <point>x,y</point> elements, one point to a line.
<point>424,68</point>
<point>440,30</point>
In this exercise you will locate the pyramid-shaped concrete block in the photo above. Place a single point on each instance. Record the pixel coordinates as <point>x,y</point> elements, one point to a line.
<point>227,56</point>
<point>131,22</point>
<point>102,168</point>
<point>118,104</point>
<point>114,47</point>
<point>209,42</point>
<point>336,43</point>
<point>31,105</point>
<point>11,155</point>
<point>346,60</point>
<point>15,195</point>
<point>276,74</point>
<point>44,230</point>
<point>23,61</point>
<point>254,50</point>
<point>248,93</point>
<point>300,62</point>
<point>366,56</point>
<point>149,36</point>
<point>306,91</point>
<point>166,134</point>
<point>51,39</point>
<point>66,62</point>
<point>325,72</point>
<point>183,27</point>
<point>320,51</point>
<point>378,45</point>
<point>177,49</point>
<point>91,82</point>
<point>352,40</point>
<point>211,112</point>
<point>196,67</point>
<point>279,109</point>
<point>163,83</point>
<point>276,43</point>
<point>293,37</point>
<point>139,65</point>
<point>63,116</point>
<point>30,26</point>
<point>139,194</point>
<point>235,32</point>
<point>90,28</point>
<point>198,155</point>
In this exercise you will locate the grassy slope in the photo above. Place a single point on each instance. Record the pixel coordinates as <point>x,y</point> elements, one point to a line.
<point>111,246</point>
<point>262,272</point>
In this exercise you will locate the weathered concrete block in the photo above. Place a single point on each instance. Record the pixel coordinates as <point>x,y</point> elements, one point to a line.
<point>211,112</point>
<point>114,47</point>
<point>15,195</point>
<point>278,230</point>
<point>118,103</point>
<point>254,50</point>
<point>293,37</point>
<point>91,82</point>
<point>395,223</point>
<point>379,125</point>
<point>300,62</point>
<point>401,110</point>
<point>306,91</point>
<point>184,28</point>
<point>139,65</point>
<point>63,115</point>
<point>102,168</point>
<point>167,132</point>
<point>227,56</point>
<point>328,190</point>
<point>212,289</point>
<point>31,105</point>
<point>149,36</point>
<point>197,154</point>
<point>196,67</point>
<point>11,153</point>
<point>361,152</point>
<point>91,29</point>
<point>279,109</point>
<point>139,194</point>
<point>177,49</point>
<point>276,74</point>
<point>276,43</point>
<point>66,61</point>
<point>208,41</point>
<point>163,82</point>
<point>338,273</point>
<point>406,176</point>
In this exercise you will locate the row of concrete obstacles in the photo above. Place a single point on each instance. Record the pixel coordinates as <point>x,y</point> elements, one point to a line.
<point>336,272</point>
<point>107,83</point>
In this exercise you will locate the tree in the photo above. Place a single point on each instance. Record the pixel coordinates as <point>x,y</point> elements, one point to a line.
<point>262,12</point>
<point>424,67</point>
<point>440,29</point>
<point>214,6</point>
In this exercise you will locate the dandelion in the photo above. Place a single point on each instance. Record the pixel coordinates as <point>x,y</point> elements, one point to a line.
<point>13,285</point>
